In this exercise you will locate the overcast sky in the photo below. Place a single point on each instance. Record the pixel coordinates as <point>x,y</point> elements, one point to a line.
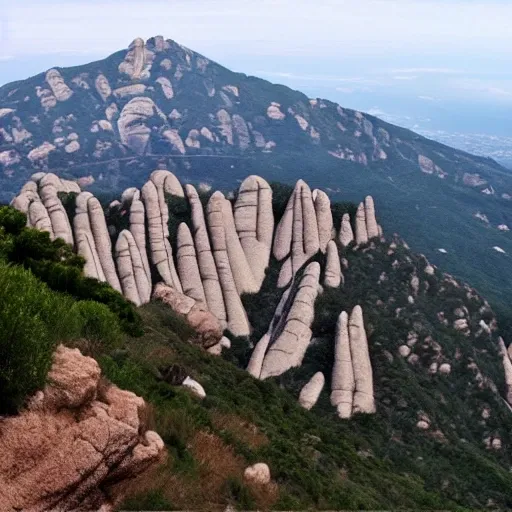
<point>426,50</point>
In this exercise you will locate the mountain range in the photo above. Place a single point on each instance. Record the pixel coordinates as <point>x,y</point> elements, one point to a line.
<point>157,104</point>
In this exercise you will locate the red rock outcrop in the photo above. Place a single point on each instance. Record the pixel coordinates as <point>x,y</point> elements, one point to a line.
<point>75,442</point>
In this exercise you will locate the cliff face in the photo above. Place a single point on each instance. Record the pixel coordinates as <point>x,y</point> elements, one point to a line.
<point>76,440</point>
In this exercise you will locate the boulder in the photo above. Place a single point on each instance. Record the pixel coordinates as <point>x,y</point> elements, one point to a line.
<point>102,87</point>
<point>361,232</point>
<point>195,387</point>
<point>311,391</point>
<point>258,473</point>
<point>138,61</point>
<point>289,348</point>
<point>206,262</point>
<point>208,330</point>
<point>237,320</point>
<point>78,439</point>
<point>254,222</point>
<point>59,88</point>
<point>133,123</point>
<point>507,367</point>
<point>346,235</point>
<point>363,375</point>
<point>323,218</point>
<point>333,276</point>
<point>343,384</point>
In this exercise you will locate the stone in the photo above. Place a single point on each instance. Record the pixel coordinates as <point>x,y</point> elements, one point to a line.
<point>188,267</point>
<point>59,88</point>
<point>346,235</point>
<point>138,228</point>
<point>207,328</point>
<point>254,222</point>
<point>157,216</point>
<point>274,112</point>
<point>132,275</point>
<point>323,218</point>
<point>240,268</point>
<point>192,140</point>
<point>240,128</point>
<point>206,262</point>
<point>237,320</point>
<point>372,227</point>
<point>415,285</point>
<point>166,85</point>
<point>423,425</point>
<point>333,276</point>
<point>507,367</point>
<point>41,152</point>
<point>445,369</point>
<point>85,243</point>
<point>195,387</point>
<point>56,211</point>
<point>404,350</point>
<point>138,61</point>
<point>80,438</point>
<point>225,126</point>
<point>173,136</point>
<point>38,217</point>
<point>363,376</point>
<point>258,473</point>
<point>289,348</point>
<point>103,87</point>
<point>361,231</point>
<point>132,124</point>
<point>342,384</point>
<point>102,242</point>
<point>311,391</point>
<point>168,181</point>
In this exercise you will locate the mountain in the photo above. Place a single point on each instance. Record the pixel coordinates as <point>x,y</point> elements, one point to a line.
<point>344,369</point>
<point>108,124</point>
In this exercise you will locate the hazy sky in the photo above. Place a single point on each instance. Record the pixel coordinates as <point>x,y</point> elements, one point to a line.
<point>371,53</point>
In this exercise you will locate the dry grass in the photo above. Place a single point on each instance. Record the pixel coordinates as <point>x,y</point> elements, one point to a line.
<point>242,430</point>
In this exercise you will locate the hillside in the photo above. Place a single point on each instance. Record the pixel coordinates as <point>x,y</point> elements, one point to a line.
<point>364,376</point>
<point>110,123</point>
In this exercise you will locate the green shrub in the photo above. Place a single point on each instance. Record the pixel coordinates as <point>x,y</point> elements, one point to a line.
<point>149,500</point>
<point>33,319</point>
<point>99,326</point>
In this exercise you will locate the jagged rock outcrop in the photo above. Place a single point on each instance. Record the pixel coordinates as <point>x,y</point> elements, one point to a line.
<point>237,320</point>
<point>361,230</point>
<point>254,221</point>
<point>346,235</point>
<point>288,350</point>
<point>134,281</point>
<point>77,439</point>
<point>342,384</point>
<point>157,215</point>
<point>311,391</point>
<point>206,262</point>
<point>208,330</point>
<point>333,276</point>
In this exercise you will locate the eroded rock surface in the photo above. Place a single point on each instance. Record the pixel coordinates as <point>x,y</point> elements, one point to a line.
<point>311,391</point>
<point>78,440</point>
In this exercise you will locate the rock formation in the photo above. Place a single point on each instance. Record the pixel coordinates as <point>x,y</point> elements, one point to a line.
<point>157,217</point>
<point>207,268</point>
<point>132,275</point>
<point>208,330</point>
<point>363,375</point>
<point>346,235</point>
<point>311,391</point>
<point>372,228</point>
<point>254,221</point>
<point>133,130</point>
<point>323,218</point>
<point>59,88</point>
<point>78,440</point>
<point>237,319</point>
<point>333,276</point>
<point>138,60</point>
<point>507,367</point>
<point>289,348</point>
<point>343,384</point>
<point>138,228</point>
<point>361,230</point>
<point>258,473</point>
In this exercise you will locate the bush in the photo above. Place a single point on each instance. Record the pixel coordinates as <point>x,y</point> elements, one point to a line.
<point>99,326</point>
<point>33,319</point>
